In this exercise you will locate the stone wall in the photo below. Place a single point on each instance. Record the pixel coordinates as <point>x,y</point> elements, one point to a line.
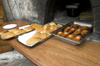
<point>21,9</point>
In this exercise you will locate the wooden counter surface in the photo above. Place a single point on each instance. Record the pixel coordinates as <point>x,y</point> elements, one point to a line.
<point>54,52</point>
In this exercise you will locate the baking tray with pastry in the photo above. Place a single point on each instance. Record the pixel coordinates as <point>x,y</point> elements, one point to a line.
<point>73,32</point>
<point>14,32</point>
<point>40,34</point>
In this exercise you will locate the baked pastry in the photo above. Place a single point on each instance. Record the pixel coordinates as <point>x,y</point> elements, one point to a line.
<point>46,31</point>
<point>32,40</point>
<point>60,33</point>
<point>29,28</point>
<point>52,23</point>
<point>46,27</point>
<point>71,30</point>
<point>84,27</point>
<point>19,31</point>
<point>13,30</point>
<point>58,26</point>
<point>67,29</point>
<point>65,34</point>
<point>38,26</point>
<point>43,35</point>
<point>77,38</point>
<point>33,24</point>
<point>75,25</point>
<point>77,32</point>
<point>3,32</point>
<point>71,36</point>
<point>53,27</point>
<point>39,29</point>
<point>37,34</point>
<point>7,35</point>
<point>84,32</point>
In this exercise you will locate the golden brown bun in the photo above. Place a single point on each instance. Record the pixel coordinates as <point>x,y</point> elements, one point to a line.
<point>46,31</point>
<point>83,32</point>
<point>65,34</point>
<point>32,40</point>
<point>38,29</point>
<point>75,25</point>
<point>60,33</point>
<point>33,24</point>
<point>66,29</point>
<point>37,34</point>
<point>43,35</point>
<point>84,27</point>
<point>28,28</point>
<point>58,26</point>
<point>71,36</point>
<point>52,23</point>
<point>7,35</point>
<point>46,27</point>
<point>3,32</point>
<point>38,26</point>
<point>13,30</point>
<point>77,38</point>
<point>53,27</point>
<point>20,31</point>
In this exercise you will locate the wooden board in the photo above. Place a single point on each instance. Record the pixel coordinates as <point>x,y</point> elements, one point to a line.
<point>54,52</point>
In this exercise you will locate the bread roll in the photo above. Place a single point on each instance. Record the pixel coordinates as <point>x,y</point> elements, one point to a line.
<point>39,29</point>
<point>53,27</point>
<point>46,31</point>
<point>77,38</point>
<point>37,34</point>
<point>7,35</point>
<point>60,33</point>
<point>67,29</point>
<point>3,32</point>
<point>58,26</point>
<point>75,25</point>
<point>43,35</point>
<point>28,28</point>
<point>38,26</point>
<point>46,27</point>
<point>19,31</point>
<point>13,30</point>
<point>65,34</point>
<point>33,24</point>
<point>71,36</point>
<point>32,40</point>
<point>52,23</point>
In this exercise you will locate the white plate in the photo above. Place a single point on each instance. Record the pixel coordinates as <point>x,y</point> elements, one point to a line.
<point>9,26</point>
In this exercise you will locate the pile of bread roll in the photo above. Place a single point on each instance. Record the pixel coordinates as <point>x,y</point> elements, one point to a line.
<point>6,34</point>
<point>42,32</point>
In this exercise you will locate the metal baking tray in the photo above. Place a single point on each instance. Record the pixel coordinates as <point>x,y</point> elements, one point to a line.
<point>23,40</point>
<point>69,40</point>
<point>21,27</point>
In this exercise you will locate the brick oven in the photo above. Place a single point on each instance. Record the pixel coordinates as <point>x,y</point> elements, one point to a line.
<point>60,11</point>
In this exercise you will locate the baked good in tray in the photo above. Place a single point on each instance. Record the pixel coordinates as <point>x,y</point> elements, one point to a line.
<point>3,32</point>
<point>74,32</point>
<point>42,32</point>
<point>32,40</point>
<point>7,35</point>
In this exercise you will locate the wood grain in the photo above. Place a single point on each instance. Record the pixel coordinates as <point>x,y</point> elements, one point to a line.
<point>54,52</point>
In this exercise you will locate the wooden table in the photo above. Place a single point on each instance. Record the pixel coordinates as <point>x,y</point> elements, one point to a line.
<point>54,52</point>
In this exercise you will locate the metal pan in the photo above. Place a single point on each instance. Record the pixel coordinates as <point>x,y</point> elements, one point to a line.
<point>23,40</point>
<point>21,27</point>
<point>69,40</point>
